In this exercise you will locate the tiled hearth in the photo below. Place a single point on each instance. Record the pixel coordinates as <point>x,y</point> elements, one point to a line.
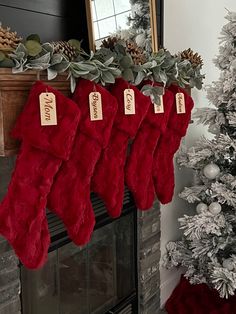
<point>117,272</point>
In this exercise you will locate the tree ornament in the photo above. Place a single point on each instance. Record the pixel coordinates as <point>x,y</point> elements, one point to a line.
<point>201,207</point>
<point>211,171</point>
<point>215,208</point>
<point>228,264</point>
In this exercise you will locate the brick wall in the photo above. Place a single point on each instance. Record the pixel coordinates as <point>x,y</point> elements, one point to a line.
<point>149,257</point>
<point>9,265</point>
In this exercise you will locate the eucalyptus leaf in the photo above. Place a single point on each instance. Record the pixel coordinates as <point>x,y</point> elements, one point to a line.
<point>126,62</point>
<point>34,37</point>
<point>33,47</point>
<point>2,56</point>
<point>128,75</point>
<point>7,63</point>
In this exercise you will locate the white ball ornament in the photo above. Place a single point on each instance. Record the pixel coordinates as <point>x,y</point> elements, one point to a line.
<point>228,264</point>
<point>214,208</point>
<point>211,171</point>
<point>201,207</point>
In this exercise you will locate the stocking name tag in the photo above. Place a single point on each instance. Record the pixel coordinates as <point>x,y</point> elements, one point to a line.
<point>180,103</point>
<point>48,110</point>
<point>160,107</point>
<point>129,101</point>
<point>95,106</point>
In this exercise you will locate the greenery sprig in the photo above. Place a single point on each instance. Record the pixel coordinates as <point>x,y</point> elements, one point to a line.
<point>104,65</point>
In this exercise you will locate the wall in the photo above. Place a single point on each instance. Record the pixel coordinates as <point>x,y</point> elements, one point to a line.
<point>51,19</point>
<point>195,24</point>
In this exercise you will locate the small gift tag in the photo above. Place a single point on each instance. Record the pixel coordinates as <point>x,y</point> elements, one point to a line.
<point>180,103</point>
<point>95,106</point>
<point>129,101</point>
<point>159,108</point>
<point>48,109</point>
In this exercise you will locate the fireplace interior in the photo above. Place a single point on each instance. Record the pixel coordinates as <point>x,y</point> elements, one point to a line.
<point>95,279</point>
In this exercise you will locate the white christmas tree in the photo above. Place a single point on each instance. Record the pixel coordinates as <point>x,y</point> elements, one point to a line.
<point>207,250</point>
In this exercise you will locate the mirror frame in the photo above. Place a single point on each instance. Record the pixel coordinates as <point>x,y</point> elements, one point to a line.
<point>153,22</point>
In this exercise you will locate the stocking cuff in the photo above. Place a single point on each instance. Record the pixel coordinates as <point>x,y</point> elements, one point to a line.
<point>179,122</point>
<point>55,139</point>
<point>160,120</point>
<point>99,130</point>
<point>129,124</point>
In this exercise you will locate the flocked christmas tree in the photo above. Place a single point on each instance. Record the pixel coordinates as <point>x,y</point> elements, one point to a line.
<point>207,249</point>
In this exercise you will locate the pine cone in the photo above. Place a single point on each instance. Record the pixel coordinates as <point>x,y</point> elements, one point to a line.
<point>65,48</point>
<point>194,58</point>
<point>136,52</point>
<point>8,40</point>
<point>109,43</point>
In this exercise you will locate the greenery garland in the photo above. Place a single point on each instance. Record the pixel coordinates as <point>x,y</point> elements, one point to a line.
<point>104,65</point>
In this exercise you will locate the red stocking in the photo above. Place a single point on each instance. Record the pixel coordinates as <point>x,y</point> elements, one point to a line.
<point>108,179</point>
<point>163,167</point>
<point>70,194</point>
<point>139,164</point>
<point>22,213</point>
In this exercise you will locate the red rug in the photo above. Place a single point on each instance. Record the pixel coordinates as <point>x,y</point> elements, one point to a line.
<point>198,299</point>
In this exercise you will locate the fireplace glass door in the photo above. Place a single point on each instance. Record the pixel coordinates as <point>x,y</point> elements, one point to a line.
<point>88,280</point>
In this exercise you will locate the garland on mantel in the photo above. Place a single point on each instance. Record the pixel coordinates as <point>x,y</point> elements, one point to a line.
<point>104,65</point>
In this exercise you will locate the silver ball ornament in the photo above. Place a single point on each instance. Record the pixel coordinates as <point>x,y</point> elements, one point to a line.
<point>228,264</point>
<point>201,207</point>
<point>211,171</point>
<point>214,208</point>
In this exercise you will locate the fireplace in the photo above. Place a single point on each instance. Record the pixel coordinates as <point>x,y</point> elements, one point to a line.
<point>95,279</point>
<point>117,272</point>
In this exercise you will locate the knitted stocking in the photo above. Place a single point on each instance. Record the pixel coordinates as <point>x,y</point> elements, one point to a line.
<point>108,179</point>
<point>22,211</point>
<point>163,166</point>
<point>139,164</point>
<point>70,194</point>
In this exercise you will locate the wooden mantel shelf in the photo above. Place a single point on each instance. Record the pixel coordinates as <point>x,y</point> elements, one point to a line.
<point>14,90</point>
